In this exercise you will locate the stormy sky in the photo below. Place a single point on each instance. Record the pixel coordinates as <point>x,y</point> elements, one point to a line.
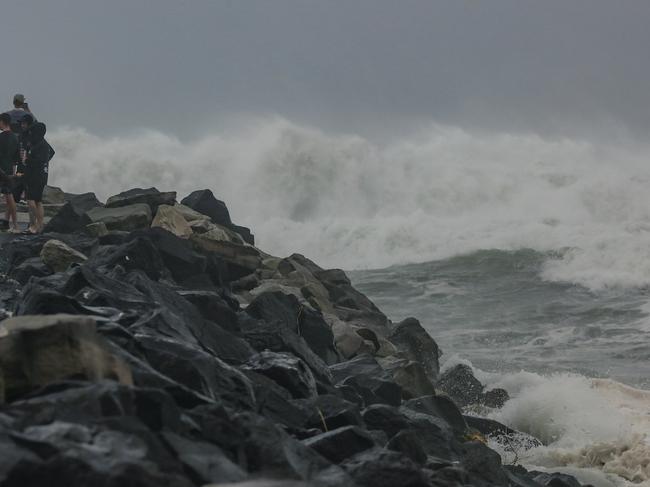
<point>546,66</point>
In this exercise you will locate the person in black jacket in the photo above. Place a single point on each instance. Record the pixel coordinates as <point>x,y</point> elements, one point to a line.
<point>36,167</point>
<point>8,157</point>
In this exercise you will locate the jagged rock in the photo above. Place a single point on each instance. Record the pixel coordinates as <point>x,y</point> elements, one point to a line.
<point>127,218</point>
<point>72,216</point>
<point>53,196</point>
<point>213,307</point>
<point>32,267</point>
<point>341,443</point>
<point>149,196</point>
<point>347,341</point>
<point>38,350</point>
<point>436,436</point>
<point>461,385</point>
<point>385,418</point>
<point>441,407</point>
<point>385,468</point>
<point>244,233</point>
<point>483,463</point>
<point>206,462</point>
<point>496,430</point>
<point>328,412</point>
<point>189,214</point>
<point>371,382</point>
<point>495,398</point>
<point>408,443</point>
<point>136,254</point>
<point>288,371</point>
<point>417,345</point>
<point>179,257</point>
<point>410,376</point>
<point>244,257</point>
<point>554,479</point>
<point>59,256</point>
<point>168,218</point>
<point>277,306</point>
<point>204,202</point>
<point>97,229</point>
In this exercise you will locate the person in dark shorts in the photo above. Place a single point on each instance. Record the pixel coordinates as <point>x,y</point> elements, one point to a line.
<point>8,157</point>
<point>23,147</point>
<point>36,166</point>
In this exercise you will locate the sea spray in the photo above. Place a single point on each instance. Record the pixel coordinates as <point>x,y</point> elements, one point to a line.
<point>351,202</point>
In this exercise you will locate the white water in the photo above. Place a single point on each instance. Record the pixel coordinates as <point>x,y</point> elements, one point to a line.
<point>349,202</point>
<point>595,429</point>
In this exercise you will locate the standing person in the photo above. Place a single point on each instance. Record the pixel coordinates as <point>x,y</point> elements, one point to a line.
<point>8,157</point>
<point>36,165</point>
<point>21,108</point>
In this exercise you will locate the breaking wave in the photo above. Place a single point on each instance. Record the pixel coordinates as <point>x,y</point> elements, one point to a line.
<point>351,202</point>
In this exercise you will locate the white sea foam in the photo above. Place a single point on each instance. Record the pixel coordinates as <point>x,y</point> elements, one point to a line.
<point>350,202</point>
<point>598,430</point>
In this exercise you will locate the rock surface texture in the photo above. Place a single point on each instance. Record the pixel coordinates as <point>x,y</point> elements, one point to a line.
<point>150,343</point>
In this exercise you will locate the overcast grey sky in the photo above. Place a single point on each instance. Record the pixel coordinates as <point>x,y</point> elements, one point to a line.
<point>543,66</point>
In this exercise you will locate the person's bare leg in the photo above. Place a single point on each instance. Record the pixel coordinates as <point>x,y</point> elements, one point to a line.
<point>11,211</point>
<point>40,217</point>
<point>33,210</point>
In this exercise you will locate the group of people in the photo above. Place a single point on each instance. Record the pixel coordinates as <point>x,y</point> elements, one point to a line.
<point>24,163</point>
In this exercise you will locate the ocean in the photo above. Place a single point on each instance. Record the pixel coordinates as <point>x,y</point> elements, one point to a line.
<point>527,258</point>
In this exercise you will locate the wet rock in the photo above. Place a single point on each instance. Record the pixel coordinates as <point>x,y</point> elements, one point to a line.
<point>53,196</point>
<point>32,267</point>
<point>126,218</point>
<point>213,307</point>
<point>97,229</point>
<point>72,216</point>
<point>436,436</point>
<point>178,255</point>
<point>341,443</point>
<point>370,381</point>
<point>244,233</point>
<point>408,443</point>
<point>441,407</point>
<point>554,479</point>
<point>461,385</point>
<point>310,325</point>
<point>204,202</point>
<point>410,376</point>
<point>328,412</point>
<point>150,196</point>
<point>288,371</point>
<point>502,433</point>
<point>417,345</point>
<point>385,468</point>
<point>244,256</point>
<point>205,462</point>
<point>137,254</point>
<point>264,483</point>
<point>347,341</point>
<point>496,398</point>
<point>38,350</point>
<point>168,218</point>
<point>483,463</point>
<point>385,418</point>
<point>58,256</point>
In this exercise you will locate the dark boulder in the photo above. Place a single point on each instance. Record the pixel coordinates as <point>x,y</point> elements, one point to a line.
<point>245,233</point>
<point>341,443</point>
<point>385,468</point>
<point>123,218</point>
<point>205,462</point>
<point>495,398</point>
<point>213,307</point>
<point>501,433</point>
<point>329,412</point>
<point>204,202</point>
<point>385,418</point>
<point>408,443</point>
<point>287,370</point>
<point>149,196</point>
<point>72,216</point>
<point>136,254</point>
<point>441,407</point>
<point>483,463</point>
<point>370,381</point>
<point>417,345</point>
<point>461,385</point>
<point>310,325</point>
<point>31,267</point>
<point>554,479</point>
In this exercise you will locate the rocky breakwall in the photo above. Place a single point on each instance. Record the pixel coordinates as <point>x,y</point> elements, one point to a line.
<point>150,343</point>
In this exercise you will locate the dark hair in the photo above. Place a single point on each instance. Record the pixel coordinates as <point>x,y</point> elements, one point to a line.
<point>28,118</point>
<point>5,118</point>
